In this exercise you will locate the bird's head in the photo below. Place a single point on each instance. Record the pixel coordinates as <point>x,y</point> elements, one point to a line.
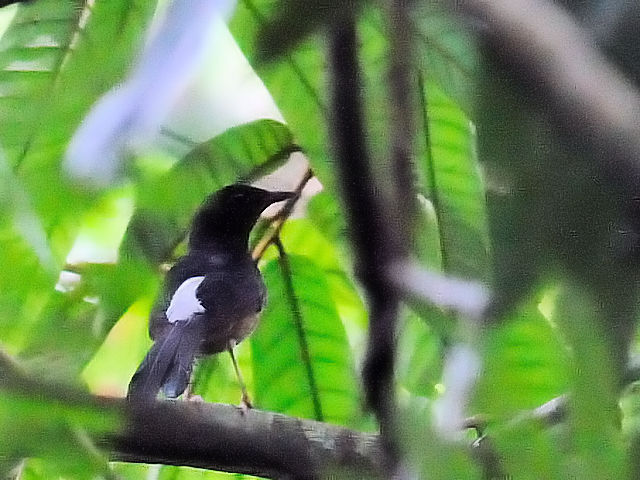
<point>228,215</point>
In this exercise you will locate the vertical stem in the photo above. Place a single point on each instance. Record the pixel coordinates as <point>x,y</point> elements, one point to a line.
<point>402,122</point>
<point>376,239</point>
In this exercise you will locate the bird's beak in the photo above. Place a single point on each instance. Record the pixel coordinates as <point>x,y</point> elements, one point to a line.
<point>280,196</point>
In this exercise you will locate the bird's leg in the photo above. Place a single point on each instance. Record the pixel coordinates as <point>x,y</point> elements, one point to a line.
<point>188,394</point>
<point>245,403</point>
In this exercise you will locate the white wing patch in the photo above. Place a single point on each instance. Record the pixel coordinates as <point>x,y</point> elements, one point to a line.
<point>184,303</point>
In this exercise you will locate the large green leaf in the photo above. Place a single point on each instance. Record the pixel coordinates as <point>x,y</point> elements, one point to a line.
<point>525,365</point>
<point>30,270</point>
<point>165,204</point>
<point>450,179</point>
<point>99,38</point>
<point>301,359</point>
<point>524,361</point>
<point>296,82</point>
<point>447,55</point>
<point>64,337</point>
<point>24,286</point>
<point>304,237</point>
<point>32,53</point>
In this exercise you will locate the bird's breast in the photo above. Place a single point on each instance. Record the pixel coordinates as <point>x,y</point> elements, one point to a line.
<point>221,331</point>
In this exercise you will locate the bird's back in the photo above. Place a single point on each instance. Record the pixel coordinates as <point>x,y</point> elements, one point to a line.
<point>232,294</point>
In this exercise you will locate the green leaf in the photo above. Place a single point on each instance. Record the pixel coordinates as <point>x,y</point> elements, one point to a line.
<point>450,179</point>
<point>525,361</point>
<point>525,365</point>
<point>166,204</point>
<point>296,83</point>
<point>32,53</point>
<point>447,54</point>
<point>302,237</point>
<point>26,256</point>
<point>324,211</point>
<point>64,337</point>
<point>24,285</point>
<point>99,38</point>
<point>528,449</point>
<point>301,359</point>
<point>420,353</point>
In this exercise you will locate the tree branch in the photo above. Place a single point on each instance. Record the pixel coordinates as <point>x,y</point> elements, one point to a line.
<point>278,222</point>
<point>402,113</point>
<point>375,242</point>
<point>225,438</point>
<point>205,435</point>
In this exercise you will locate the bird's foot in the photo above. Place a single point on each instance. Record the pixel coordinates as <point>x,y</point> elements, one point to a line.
<point>245,403</point>
<point>195,398</point>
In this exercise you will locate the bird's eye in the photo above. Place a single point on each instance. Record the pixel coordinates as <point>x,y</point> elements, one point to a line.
<point>238,196</point>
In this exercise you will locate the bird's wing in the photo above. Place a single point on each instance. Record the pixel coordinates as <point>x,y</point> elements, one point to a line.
<point>169,362</point>
<point>184,302</point>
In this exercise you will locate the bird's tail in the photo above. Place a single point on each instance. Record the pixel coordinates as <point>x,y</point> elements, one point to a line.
<point>168,364</point>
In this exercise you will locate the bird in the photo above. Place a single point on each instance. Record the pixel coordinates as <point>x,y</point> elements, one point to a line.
<point>212,297</point>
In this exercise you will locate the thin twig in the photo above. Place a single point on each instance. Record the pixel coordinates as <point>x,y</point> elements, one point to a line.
<point>550,413</point>
<point>278,221</point>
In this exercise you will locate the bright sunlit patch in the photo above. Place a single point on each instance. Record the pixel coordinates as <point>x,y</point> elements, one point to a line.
<point>67,281</point>
<point>103,229</point>
<point>43,41</point>
<point>128,117</point>
<point>28,66</point>
<point>547,303</point>
<point>110,369</point>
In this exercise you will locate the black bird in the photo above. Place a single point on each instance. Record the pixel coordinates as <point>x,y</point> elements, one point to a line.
<point>212,296</point>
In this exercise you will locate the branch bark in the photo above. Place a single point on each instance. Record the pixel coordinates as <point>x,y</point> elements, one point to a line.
<point>225,438</point>
<point>375,242</point>
<point>207,435</point>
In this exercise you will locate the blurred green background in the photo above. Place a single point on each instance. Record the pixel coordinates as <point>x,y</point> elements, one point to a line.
<point>497,191</point>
